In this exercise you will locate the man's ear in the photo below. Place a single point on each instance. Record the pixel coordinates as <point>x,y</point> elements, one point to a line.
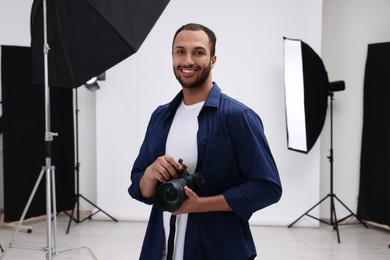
<point>213,61</point>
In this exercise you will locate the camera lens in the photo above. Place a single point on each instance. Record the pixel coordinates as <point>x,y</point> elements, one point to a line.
<point>170,195</point>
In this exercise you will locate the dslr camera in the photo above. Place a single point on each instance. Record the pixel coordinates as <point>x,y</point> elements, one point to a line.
<point>170,195</point>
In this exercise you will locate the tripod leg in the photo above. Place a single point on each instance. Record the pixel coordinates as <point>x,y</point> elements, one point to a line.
<point>49,253</point>
<point>93,204</point>
<point>77,209</point>
<point>71,216</point>
<point>334,221</point>
<point>308,211</point>
<point>350,211</point>
<point>51,208</point>
<point>27,205</point>
<point>54,210</point>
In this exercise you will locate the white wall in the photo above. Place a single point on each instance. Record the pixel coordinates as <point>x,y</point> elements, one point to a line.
<point>349,26</point>
<point>249,67</point>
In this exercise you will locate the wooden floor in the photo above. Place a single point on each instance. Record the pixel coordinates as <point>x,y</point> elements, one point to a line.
<point>116,241</point>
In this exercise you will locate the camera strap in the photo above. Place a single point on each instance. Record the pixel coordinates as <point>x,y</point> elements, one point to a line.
<point>171,238</point>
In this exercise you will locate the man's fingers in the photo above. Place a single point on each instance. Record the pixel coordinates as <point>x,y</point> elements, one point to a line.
<point>166,168</point>
<point>172,161</point>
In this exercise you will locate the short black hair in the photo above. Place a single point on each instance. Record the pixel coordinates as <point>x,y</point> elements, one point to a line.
<point>199,27</point>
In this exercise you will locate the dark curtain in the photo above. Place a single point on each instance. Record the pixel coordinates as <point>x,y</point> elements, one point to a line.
<point>24,137</point>
<point>374,191</point>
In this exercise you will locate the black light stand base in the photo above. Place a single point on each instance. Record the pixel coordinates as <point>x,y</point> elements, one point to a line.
<point>333,217</point>
<point>76,210</point>
<point>76,199</point>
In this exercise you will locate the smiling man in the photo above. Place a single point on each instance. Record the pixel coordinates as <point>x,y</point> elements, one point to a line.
<point>217,136</point>
<point>193,60</point>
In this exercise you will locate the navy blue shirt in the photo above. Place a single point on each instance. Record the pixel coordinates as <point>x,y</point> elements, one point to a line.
<point>235,160</point>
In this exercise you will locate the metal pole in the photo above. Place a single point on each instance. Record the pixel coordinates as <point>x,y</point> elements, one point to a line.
<point>48,136</point>
<point>332,207</point>
<point>48,169</point>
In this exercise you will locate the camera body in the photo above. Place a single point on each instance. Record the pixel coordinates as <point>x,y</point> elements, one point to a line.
<point>170,195</point>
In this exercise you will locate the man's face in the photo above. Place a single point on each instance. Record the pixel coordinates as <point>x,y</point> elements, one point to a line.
<point>191,58</point>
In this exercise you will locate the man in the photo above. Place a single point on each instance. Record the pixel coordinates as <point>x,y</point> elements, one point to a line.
<point>216,135</point>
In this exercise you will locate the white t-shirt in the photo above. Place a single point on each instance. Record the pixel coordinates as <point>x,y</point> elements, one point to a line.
<point>182,143</point>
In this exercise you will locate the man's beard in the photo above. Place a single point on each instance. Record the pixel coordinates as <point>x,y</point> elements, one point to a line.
<point>197,82</point>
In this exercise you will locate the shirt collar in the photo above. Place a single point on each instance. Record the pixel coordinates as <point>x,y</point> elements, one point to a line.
<point>211,101</point>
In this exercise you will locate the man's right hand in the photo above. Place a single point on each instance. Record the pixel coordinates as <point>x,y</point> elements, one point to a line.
<point>162,169</point>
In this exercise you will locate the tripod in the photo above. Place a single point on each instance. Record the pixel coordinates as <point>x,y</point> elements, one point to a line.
<point>48,172</point>
<point>77,196</point>
<point>333,218</point>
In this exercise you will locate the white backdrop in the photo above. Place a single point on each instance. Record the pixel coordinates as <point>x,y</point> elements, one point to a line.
<point>249,67</point>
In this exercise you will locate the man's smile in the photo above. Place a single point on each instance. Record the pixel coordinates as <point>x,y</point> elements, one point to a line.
<point>188,72</point>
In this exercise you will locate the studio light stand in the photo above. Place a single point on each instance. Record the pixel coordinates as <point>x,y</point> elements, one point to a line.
<point>48,170</point>
<point>76,200</point>
<point>332,196</point>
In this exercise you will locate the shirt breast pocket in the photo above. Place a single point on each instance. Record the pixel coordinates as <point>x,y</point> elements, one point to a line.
<point>219,165</point>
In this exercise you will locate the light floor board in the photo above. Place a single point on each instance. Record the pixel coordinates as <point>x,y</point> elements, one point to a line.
<point>109,240</point>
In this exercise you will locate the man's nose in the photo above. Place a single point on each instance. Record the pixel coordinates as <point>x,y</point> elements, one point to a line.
<point>189,60</point>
